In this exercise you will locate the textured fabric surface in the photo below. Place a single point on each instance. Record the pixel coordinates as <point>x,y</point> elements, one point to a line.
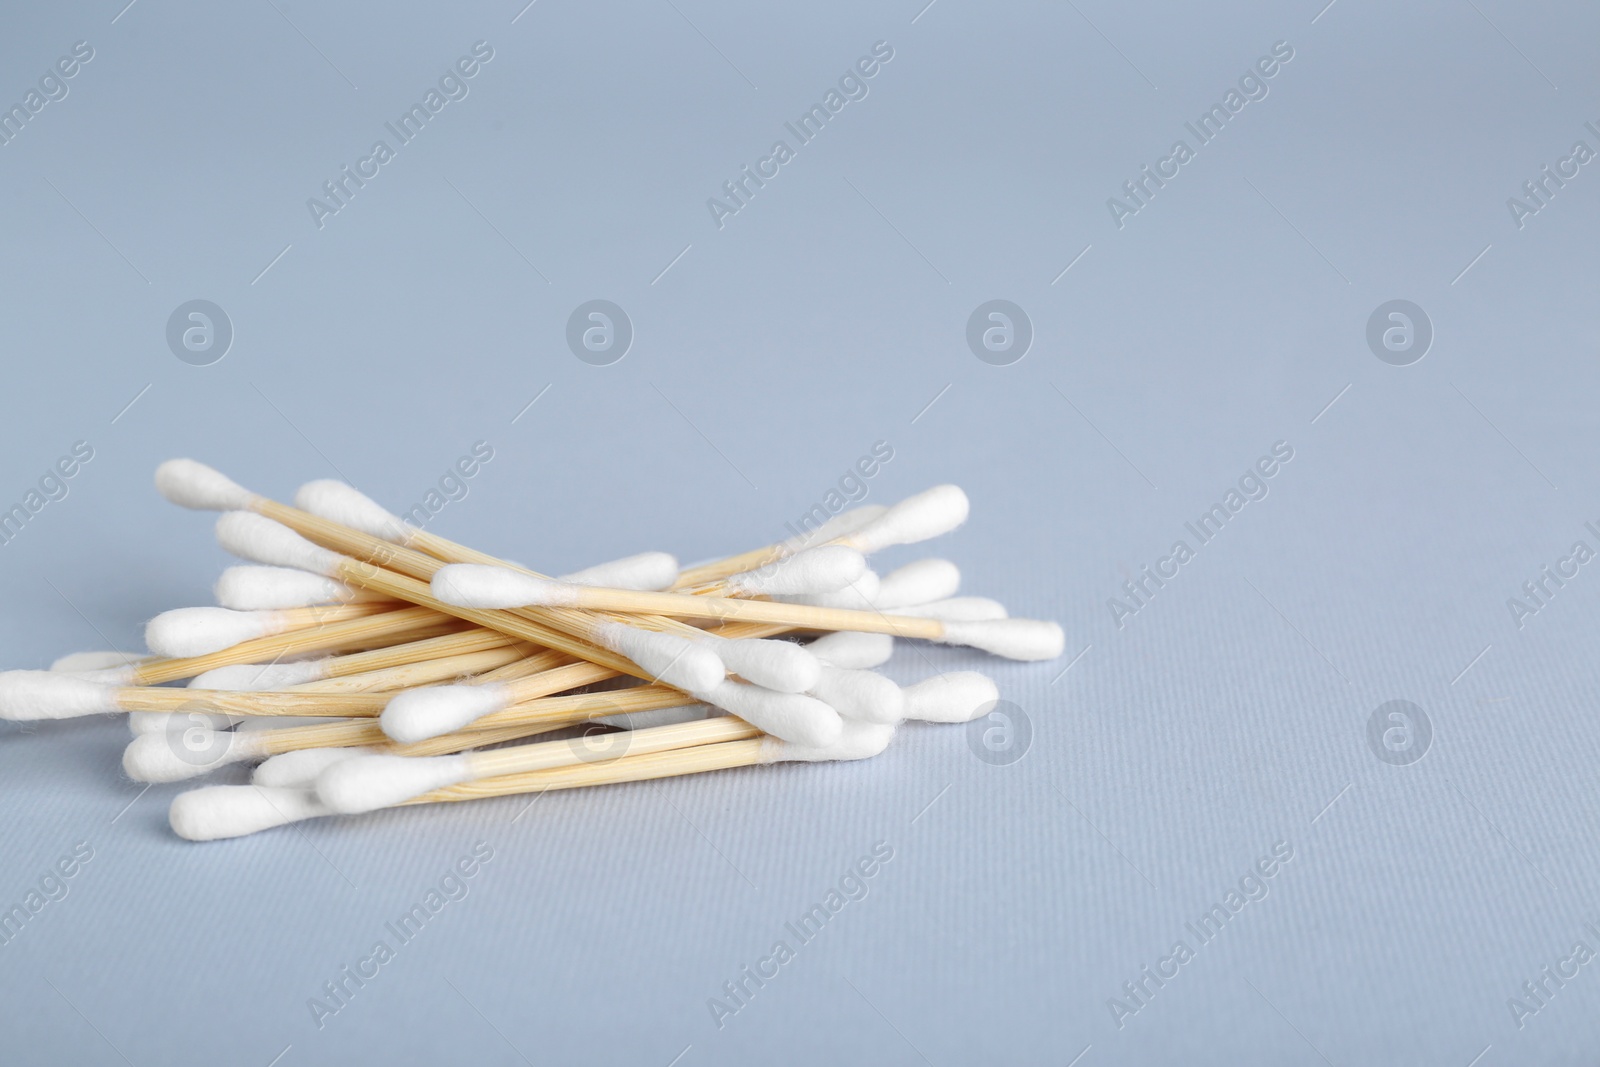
<point>1224,729</point>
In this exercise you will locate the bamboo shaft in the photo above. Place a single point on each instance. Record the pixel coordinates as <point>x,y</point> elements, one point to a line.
<point>586,706</point>
<point>717,570</point>
<point>327,614</point>
<point>251,702</point>
<point>606,748</point>
<point>452,644</point>
<point>408,588</point>
<point>351,633</point>
<point>798,616</point>
<point>535,664</point>
<point>423,672</point>
<point>723,756</point>
<point>363,696</point>
<point>357,733</point>
<point>378,563</point>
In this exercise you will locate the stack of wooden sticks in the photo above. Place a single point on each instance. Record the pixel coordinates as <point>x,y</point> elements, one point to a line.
<point>365,663</point>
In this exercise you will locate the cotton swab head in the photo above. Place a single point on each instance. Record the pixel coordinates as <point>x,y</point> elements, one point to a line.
<point>816,570</point>
<point>646,571</point>
<point>185,632</point>
<point>781,665</point>
<point>222,811</point>
<point>93,662</point>
<point>846,522</point>
<point>418,714</point>
<point>917,518</point>
<point>921,582</point>
<point>960,696</point>
<point>673,660</point>
<point>28,695</point>
<point>853,651</point>
<point>1024,639</point>
<point>173,755</point>
<point>863,695</point>
<point>246,676</point>
<point>262,588</point>
<point>859,595</point>
<point>791,716</point>
<point>348,506</point>
<point>254,537</point>
<point>856,740</point>
<point>194,485</point>
<point>301,769</point>
<point>475,585</point>
<point>958,609</point>
<point>372,782</point>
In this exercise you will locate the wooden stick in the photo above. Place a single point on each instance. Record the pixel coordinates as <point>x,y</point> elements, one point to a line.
<point>534,716</point>
<point>356,733</point>
<point>722,569</point>
<point>448,551</point>
<point>586,705</point>
<point>363,695</point>
<point>795,616</point>
<point>249,702</point>
<point>402,573</point>
<point>291,619</point>
<point>422,672</point>
<point>544,755</point>
<point>354,633</point>
<point>716,757</point>
<point>459,643</point>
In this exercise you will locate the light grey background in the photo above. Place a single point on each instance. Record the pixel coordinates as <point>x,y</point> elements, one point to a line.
<point>1229,714</point>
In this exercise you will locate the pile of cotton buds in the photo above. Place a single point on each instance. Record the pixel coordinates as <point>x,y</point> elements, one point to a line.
<point>364,663</point>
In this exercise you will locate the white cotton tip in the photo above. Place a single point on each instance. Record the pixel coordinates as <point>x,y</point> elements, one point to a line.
<point>189,484</point>
<point>431,711</point>
<point>791,716</point>
<point>643,720</point>
<point>1027,639</point>
<point>261,540</point>
<point>960,696</point>
<point>475,585</point>
<point>338,502</point>
<point>857,740</point>
<point>173,755</point>
<point>781,665</point>
<point>816,570</point>
<point>246,676</point>
<point>646,571</point>
<point>958,609</point>
<point>262,588</point>
<point>853,651</point>
<point>185,632</point>
<point>92,662</point>
<point>863,695</point>
<point>368,783</point>
<point>220,811</point>
<point>859,595</point>
<point>917,518</point>
<point>26,695</point>
<point>846,522</point>
<point>680,662</point>
<point>921,582</point>
<point>301,768</point>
